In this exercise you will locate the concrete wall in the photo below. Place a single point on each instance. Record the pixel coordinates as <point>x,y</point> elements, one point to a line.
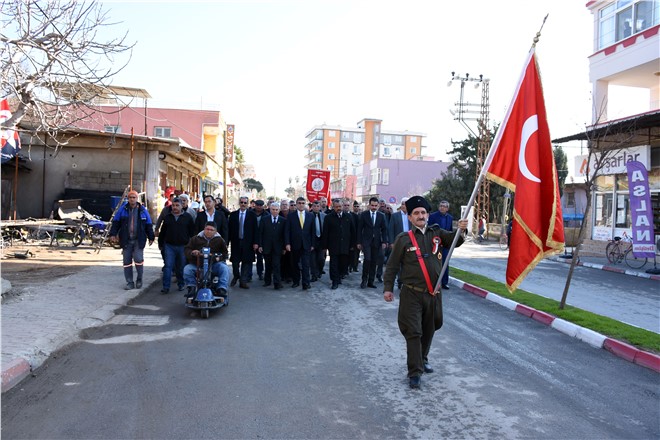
<point>77,168</point>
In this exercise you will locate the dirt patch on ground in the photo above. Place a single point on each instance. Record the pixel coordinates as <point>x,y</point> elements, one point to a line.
<point>45,263</point>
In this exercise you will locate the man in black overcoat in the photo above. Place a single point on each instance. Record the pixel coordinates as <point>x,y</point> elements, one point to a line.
<point>338,239</point>
<point>271,244</point>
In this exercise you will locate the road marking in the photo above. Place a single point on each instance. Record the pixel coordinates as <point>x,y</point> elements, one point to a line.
<point>129,339</point>
<point>140,320</point>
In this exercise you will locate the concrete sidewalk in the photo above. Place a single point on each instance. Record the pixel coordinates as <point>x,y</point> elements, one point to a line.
<point>48,317</point>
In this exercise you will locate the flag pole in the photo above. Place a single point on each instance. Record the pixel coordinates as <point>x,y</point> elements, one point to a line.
<point>487,161</point>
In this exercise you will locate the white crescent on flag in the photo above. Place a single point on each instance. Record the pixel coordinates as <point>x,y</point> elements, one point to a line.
<point>530,127</point>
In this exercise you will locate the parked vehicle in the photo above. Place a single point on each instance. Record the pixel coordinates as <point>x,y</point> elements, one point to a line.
<point>94,229</point>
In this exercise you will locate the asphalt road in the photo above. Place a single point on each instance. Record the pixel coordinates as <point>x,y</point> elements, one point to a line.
<point>628,299</point>
<point>328,364</point>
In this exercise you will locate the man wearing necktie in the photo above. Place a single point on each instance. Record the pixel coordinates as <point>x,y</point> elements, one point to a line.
<point>317,256</point>
<point>271,245</point>
<point>243,239</point>
<point>299,239</point>
<point>338,237</point>
<point>398,223</point>
<point>372,239</point>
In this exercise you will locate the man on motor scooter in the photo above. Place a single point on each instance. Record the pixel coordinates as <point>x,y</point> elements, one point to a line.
<point>208,237</point>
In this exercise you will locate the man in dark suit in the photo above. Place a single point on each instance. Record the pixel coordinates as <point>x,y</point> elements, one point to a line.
<point>355,256</point>
<point>317,256</point>
<point>338,237</point>
<point>372,239</point>
<point>398,223</point>
<point>243,239</point>
<point>260,211</point>
<point>346,205</point>
<point>271,245</point>
<point>212,214</point>
<point>299,238</point>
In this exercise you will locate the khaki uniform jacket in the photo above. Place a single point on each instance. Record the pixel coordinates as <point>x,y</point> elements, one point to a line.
<point>403,255</point>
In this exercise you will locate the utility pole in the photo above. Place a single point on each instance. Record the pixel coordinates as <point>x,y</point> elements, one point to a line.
<point>463,113</point>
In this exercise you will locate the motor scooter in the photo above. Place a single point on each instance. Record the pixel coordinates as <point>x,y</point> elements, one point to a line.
<point>93,228</point>
<point>203,298</point>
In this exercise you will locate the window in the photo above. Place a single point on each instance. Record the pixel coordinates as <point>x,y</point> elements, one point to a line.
<point>112,128</point>
<point>332,133</point>
<point>413,150</point>
<point>570,199</point>
<point>163,132</point>
<point>623,18</point>
<point>387,139</point>
<point>345,136</point>
<point>622,211</point>
<point>413,139</point>
<point>357,138</point>
<point>331,168</point>
<point>331,156</point>
<point>398,140</point>
<point>331,145</point>
<point>603,209</point>
<point>387,151</point>
<point>386,176</point>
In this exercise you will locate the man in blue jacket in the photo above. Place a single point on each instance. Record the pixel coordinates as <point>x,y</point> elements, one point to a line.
<point>443,218</point>
<point>133,224</point>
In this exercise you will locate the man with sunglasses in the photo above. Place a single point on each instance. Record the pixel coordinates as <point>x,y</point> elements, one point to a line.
<point>243,241</point>
<point>299,239</point>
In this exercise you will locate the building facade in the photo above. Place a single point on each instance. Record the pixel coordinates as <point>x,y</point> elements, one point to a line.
<point>344,151</point>
<point>626,42</point>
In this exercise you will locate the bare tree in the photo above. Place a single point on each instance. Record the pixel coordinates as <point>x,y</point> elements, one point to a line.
<point>55,62</point>
<point>599,153</point>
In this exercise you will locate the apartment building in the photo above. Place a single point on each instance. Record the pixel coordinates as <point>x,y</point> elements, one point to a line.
<point>626,53</point>
<point>344,150</point>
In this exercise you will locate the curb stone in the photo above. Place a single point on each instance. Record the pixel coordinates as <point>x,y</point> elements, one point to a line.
<point>595,339</point>
<point>608,268</point>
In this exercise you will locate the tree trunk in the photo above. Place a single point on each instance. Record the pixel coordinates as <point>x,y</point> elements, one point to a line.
<point>576,250</point>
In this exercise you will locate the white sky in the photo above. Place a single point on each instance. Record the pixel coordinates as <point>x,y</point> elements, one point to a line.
<point>275,69</point>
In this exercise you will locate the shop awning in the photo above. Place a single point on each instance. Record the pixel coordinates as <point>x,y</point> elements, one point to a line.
<point>641,129</point>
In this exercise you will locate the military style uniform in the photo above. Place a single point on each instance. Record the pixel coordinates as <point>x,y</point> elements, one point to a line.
<point>420,313</point>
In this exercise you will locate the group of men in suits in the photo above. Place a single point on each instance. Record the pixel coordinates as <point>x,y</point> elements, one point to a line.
<point>294,237</point>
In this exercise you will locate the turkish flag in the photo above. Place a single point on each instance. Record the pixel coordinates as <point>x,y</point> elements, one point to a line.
<point>10,141</point>
<point>521,159</point>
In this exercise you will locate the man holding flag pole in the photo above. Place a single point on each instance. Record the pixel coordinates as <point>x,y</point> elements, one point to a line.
<point>521,160</point>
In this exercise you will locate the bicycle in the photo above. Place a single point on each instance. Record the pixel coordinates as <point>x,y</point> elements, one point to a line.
<point>504,242</point>
<point>616,252</point>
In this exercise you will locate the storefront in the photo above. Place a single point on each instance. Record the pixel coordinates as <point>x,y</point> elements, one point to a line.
<point>633,139</point>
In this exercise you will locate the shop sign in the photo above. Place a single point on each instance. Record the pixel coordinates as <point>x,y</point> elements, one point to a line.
<point>616,161</point>
<point>640,210</point>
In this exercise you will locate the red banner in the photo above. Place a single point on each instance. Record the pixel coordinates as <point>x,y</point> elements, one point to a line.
<point>318,184</point>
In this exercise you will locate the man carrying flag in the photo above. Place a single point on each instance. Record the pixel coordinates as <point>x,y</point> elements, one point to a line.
<point>521,160</point>
<point>9,138</point>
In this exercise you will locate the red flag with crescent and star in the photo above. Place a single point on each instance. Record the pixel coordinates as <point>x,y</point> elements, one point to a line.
<point>10,141</point>
<point>521,159</point>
